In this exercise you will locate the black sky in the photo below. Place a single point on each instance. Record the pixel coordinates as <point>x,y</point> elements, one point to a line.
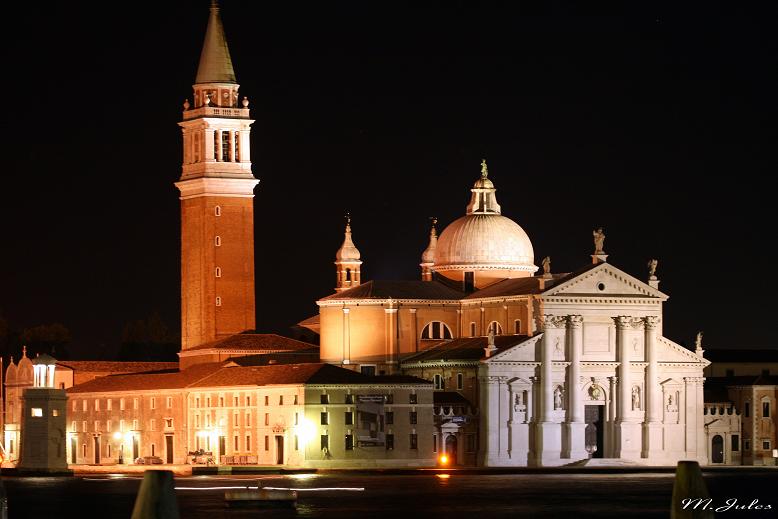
<point>657,125</point>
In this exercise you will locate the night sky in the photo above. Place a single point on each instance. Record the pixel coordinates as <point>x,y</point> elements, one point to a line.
<point>657,125</point>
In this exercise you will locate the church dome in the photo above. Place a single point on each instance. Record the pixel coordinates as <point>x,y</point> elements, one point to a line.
<point>348,251</point>
<point>483,241</point>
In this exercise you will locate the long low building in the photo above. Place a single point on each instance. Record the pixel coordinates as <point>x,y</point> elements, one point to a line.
<point>300,415</point>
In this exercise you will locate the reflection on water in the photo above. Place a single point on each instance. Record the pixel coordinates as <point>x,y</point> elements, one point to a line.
<point>384,496</point>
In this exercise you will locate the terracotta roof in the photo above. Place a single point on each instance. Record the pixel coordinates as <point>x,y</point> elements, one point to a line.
<point>471,348</point>
<point>279,357</point>
<point>380,289</point>
<point>509,287</point>
<point>314,320</point>
<point>255,342</point>
<point>102,366</point>
<point>449,398</point>
<point>143,381</point>
<point>229,374</point>
<point>735,355</point>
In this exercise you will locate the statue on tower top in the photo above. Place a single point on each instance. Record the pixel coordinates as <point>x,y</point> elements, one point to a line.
<point>599,240</point>
<point>484,169</point>
<point>652,264</point>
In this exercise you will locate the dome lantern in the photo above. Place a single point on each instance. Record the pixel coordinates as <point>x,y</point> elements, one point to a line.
<point>43,367</point>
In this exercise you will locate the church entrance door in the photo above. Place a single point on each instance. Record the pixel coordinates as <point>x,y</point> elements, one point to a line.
<point>595,425</point>
<point>451,449</point>
<point>717,449</point>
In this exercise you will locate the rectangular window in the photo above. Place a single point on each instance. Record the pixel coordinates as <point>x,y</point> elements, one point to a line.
<point>235,419</point>
<point>280,399</point>
<point>197,421</point>
<point>236,443</point>
<point>389,417</point>
<point>235,401</point>
<point>324,418</point>
<point>267,418</point>
<point>414,442</point>
<point>237,146</point>
<point>325,399</point>
<point>207,401</point>
<point>389,399</point>
<point>153,403</point>
<point>765,409</point>
<point>765,372</point>
<point>169,402</point>
<point>97,404</point>
<point>747,445</point>
<point>36,412</point>
<point>152,425</point>
<point>221,401</point>
<point>267,400</point>
<point>248,400</point>
<point>73,426</point>
<point>349,442</point>
<point>437,381</point>
<point>517,326</point>
<point>83,426</point>
<point>54,412</point>
<point>135,403</point>
<point>460,381</point>
<point>109,404</point>
<point>296,419</point>
<point>735,443</point>
<point>83,405</point>
<point>153,449</point>
<point>389,442</point>
<point>296,442</point>
<point>295,399</point>
<point>434,443</point>
<point>349,398</point>
<point>349,418</point>
<point>325,441</point>
<point>267,443</point>
<point>135,425</point>
<point>248,443</point>
<point>197,401</point>
<point>413,398</point>
<point>169,423</point>
<point>121,404</point>
<point>108,426</point>
<point>470,442</point>
<point>121,425</point>
<point>74,404</point>
<point>766,445</point>
<point>413,417</point>
<point>97,426</point>
<point>747,409</point>
<point>248,420</point>
<point>472,329</point>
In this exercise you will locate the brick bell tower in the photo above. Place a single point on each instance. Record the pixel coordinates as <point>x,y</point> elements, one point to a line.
<point>217,206</point>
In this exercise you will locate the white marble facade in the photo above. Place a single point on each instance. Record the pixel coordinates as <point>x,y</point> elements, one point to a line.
<point>602,357</point>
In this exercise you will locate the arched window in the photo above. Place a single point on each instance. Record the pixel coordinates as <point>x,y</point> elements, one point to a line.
<point>438,381</point>
<point>472,329</point>
<point>217,211</point>
<point>348,274</point>
<point>766,407</point>
<point>436,330</point>
<point>495,328</point>
<point>517,326</point>
<point>217,241</point>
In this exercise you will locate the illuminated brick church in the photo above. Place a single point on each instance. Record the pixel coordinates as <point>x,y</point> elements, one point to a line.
<point>482,357</point>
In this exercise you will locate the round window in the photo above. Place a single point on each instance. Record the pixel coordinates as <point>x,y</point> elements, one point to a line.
<point>601,287</point>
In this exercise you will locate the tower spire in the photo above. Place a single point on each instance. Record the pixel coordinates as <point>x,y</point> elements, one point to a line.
<point>483,200</point>
<point>428,256</point>
<point>347,261</point>
<point>215,62</point>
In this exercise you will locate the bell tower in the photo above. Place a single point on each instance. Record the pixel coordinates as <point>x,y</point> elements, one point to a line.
<point>217,206</point>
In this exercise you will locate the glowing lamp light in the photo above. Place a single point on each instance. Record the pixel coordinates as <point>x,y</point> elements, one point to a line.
<point>117,435</point>
<point>306,431</point>
<point>443,459</point>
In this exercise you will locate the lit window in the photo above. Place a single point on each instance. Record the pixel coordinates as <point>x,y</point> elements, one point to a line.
<point>217,211</point>
<point>109,404</point>
<point>217,241</point>
<point>218,301</point>
<point>97,405</point>
<point>436,330</point>
<point>218,272</point>
<point>121,404</point>
<point>55,412</point>
<point>83,405</point>
<point>36,412</point>
<point>74,405</point>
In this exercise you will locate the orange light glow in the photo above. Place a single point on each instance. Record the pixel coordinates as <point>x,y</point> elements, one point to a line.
<point>443,459</point>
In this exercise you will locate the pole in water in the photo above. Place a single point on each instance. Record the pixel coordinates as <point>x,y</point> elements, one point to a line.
<point>156,496</point>
<point>690,495</point>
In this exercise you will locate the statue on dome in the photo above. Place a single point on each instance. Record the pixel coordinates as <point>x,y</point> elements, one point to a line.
<point>484,169</point>
<point>547,265</point>
<point>652,264</point>
<point>599,241</point>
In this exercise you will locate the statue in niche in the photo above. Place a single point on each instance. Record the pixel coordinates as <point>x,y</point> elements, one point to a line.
<point>518,401</point>
<point>599,241</point>
<point>635,398</point>
<point>652,264</point>
<point>595,392</point>
<point>557,346</point>
<point>558,398</point>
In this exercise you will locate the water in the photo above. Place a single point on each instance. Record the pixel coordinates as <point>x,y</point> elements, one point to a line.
<point>401,496</point>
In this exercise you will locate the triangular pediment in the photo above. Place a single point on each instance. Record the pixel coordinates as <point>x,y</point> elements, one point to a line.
<point>605,280</point>
<point>522,352</point>
<point>668,351</point>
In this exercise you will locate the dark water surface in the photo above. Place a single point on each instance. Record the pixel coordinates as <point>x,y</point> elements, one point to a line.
<point>401,496</point>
